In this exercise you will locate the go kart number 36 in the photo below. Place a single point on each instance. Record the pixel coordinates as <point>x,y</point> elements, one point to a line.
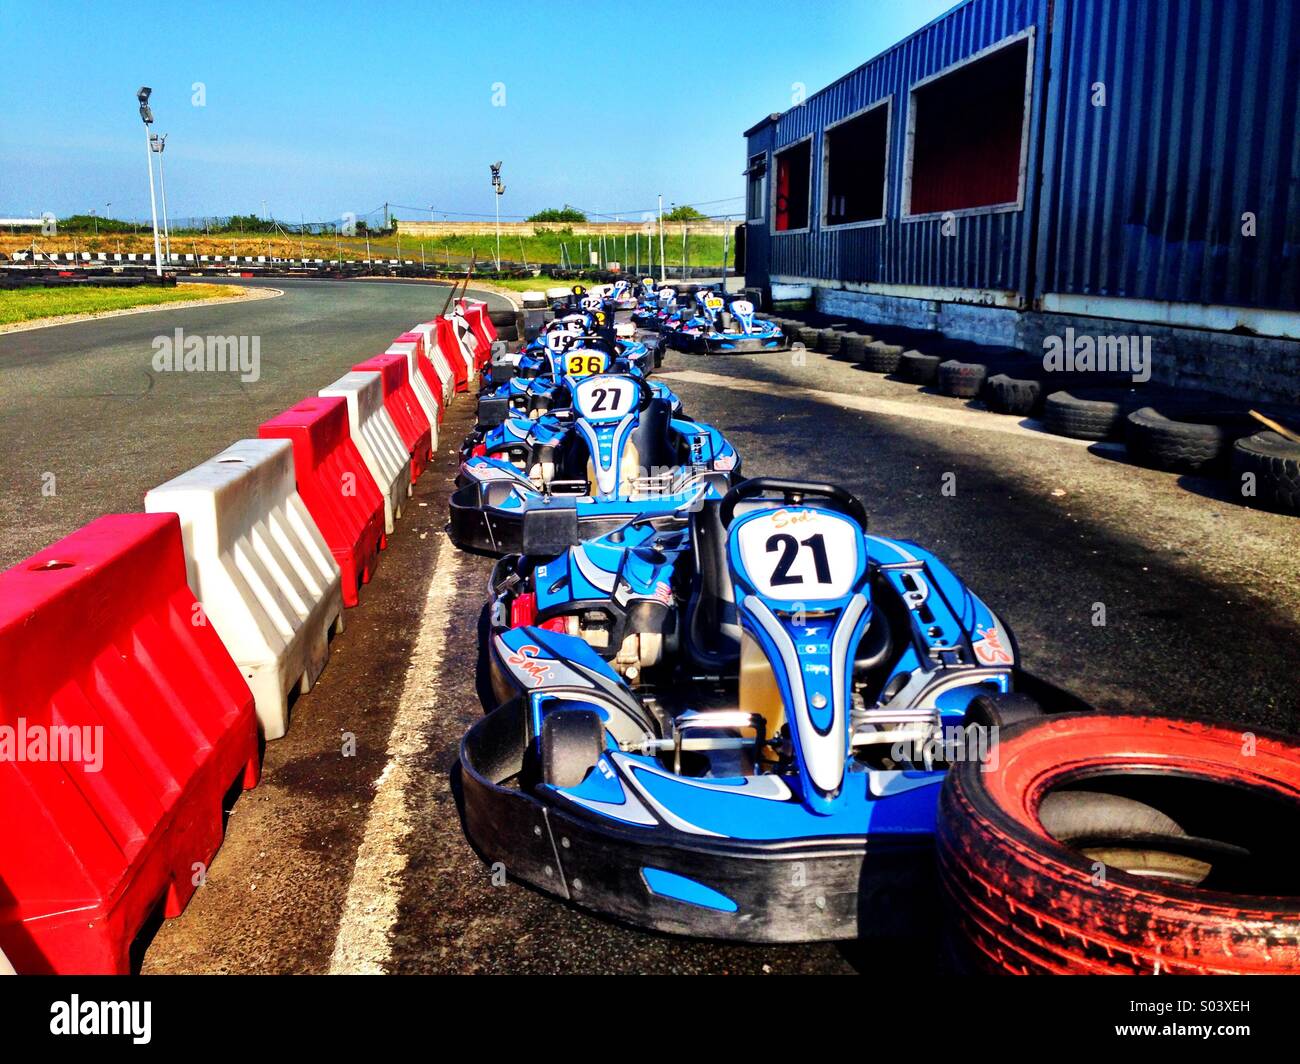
<point>805,554</point>
<point>585,364</point>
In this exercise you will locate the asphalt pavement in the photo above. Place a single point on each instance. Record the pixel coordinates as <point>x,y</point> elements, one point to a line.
<point>1134,588</point>
<point>88,425</point>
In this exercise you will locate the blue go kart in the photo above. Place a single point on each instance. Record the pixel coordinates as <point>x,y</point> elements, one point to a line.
<point>733,722</point>
<point>575,473</point>
<point>717,325</point>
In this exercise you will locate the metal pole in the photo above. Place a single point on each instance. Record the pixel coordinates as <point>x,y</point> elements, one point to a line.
<point>153,205</point>
<point>726,234</point>
<point>683,251</point>
<point>663,271</point>
<point>497,199</point>
<point>162,186</point>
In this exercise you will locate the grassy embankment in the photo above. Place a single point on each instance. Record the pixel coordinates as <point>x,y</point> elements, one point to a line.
<point>30,304</point>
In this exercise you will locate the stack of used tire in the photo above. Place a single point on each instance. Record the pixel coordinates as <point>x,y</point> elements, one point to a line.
<point>1076,857</point>
<point>1187,435</point>
<point>1274,462</point>
<point>966,375</point>
<point>1093,412</point>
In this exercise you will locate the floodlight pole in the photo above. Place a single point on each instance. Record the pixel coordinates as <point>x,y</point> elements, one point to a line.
<point>160,143</point>
<point>146,116</point>
<point>663,269</point>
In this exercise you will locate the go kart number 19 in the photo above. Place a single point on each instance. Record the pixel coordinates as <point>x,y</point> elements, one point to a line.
<point>805,554</point>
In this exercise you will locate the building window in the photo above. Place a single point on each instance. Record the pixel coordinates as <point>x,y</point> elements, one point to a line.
<point>968,127</point>
<point>756,189</point>
<point>856,156</point>
<point>793,171</point>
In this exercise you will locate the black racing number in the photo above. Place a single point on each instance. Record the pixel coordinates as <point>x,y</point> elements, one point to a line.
<point>605,399</point>
<point>789,548</point>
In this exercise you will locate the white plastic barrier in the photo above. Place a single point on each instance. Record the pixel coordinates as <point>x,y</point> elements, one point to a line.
<point>377,438</point>
<point>423,393</point>
<point>260,568</point>
<point>469,343</point>
<point>559,292</point>
<point>429,330</point>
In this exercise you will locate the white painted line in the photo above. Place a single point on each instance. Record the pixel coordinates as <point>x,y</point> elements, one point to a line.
<point>363,944</point>
<point>983,421</point>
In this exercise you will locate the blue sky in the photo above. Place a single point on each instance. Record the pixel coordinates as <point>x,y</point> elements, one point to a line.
<point>321,108</point>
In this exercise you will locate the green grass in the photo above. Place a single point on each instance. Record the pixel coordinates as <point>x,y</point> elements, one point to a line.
<point>546,247</point>
<point>30,304</point>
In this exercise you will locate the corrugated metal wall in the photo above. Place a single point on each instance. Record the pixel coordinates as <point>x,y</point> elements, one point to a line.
<point>1144,197</point>
<point>989,251</point>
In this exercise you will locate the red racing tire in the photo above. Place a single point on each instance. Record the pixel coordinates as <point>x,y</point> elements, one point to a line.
<point>1021,902</point>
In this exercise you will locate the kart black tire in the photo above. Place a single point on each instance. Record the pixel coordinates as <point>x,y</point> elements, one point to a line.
<point>572,741</point>
<point>1005,394</point>
<point>1089,413</point>
<point>917,368</point>
<point>1275,463</point>
<point>961,380</point>
<point>880,357</point>
<point>483,668</point>
<point>808,336</point>
<point>1002,710</point>
<point>1187,441</point>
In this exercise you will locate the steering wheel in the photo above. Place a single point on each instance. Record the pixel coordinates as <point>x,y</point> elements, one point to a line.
<point>793,492</point>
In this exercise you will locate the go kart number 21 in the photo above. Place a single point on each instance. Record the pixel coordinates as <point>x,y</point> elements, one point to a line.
<point>800,553</point>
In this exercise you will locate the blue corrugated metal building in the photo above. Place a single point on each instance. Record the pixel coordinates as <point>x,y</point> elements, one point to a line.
<point>1017,166</point>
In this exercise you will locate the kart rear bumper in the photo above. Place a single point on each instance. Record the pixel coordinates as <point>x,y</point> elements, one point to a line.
<point>800,890</point>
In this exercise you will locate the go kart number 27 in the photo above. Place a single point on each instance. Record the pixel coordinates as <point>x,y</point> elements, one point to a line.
<point>800,554</point>
<point>604,398</point>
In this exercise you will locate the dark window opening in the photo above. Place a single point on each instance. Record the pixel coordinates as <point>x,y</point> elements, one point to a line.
<point>792,170</point>
<point>856,156</point>
<point>756,189</point>
<point>967,130</point>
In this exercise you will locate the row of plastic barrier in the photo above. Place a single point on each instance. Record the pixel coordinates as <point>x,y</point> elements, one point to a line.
<point>146,655</point>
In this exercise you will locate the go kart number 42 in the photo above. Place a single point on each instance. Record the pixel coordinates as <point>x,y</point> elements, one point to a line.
<point>805,554</point>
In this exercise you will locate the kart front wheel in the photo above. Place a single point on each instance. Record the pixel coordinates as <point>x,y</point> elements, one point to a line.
<point>571,743</point>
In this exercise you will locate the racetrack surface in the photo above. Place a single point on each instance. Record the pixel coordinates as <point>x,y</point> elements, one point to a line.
<point>359,863</point>
<point>82,401</point>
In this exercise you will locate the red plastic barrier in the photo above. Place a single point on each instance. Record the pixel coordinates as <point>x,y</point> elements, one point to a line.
<point>449,344</point>
<point>339,491</point>
<point>147,725</point>
<point>477,336</point>
<point>404,408</point>
<point>427,371</point>
<point>478,308</point>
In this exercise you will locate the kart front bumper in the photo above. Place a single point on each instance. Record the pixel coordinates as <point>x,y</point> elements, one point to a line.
<point>794,890</point>
<point>736,345</point>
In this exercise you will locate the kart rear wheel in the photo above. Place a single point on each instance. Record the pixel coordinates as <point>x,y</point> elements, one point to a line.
<point>1117,843</point>
<point>572,741</point>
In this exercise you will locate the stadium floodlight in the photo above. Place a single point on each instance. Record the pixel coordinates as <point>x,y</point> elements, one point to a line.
<point>146,116</point>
